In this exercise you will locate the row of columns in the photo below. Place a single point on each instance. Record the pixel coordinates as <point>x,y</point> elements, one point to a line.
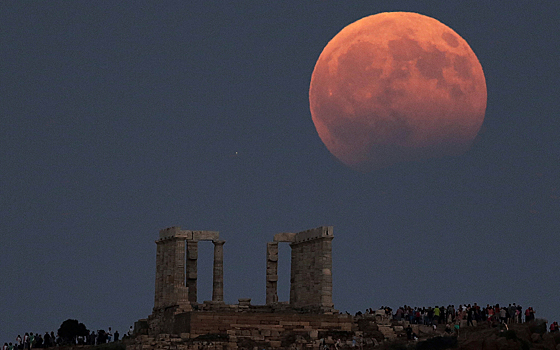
<point>311,268</point>
<point>173,276</point>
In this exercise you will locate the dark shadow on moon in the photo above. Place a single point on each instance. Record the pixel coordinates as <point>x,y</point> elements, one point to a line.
<point>450,39</point>
<point>358,60</point>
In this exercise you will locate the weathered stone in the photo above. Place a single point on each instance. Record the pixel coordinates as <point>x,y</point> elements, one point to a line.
<point>218,272</point>
<point>175,300</point>
<point>284,237</point>
<point>315,233</point>
<point>314,334</point>
<point>174,231</point>
<point>271,271</point>
<point>206,235</point>
<point>272,278</point>
<point>311,268</point>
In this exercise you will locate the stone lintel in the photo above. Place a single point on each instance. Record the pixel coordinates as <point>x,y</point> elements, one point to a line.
<point>206,235</point>
<point>314,233</point>
<point>284,237</point>
<point>174,231</point>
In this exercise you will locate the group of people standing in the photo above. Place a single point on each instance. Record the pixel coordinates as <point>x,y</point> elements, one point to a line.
<point>449,314</point>
<point>31,341</point>
<point>101,337</point>
<point>441,314</point>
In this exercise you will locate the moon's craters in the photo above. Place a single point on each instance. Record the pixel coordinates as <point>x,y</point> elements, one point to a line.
<point>396,87</point>
<point>355,66</point>
<point>450,39</point>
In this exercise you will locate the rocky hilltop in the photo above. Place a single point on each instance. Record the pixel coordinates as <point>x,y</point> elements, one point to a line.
<point>368,333</point>
<point>484,336</point>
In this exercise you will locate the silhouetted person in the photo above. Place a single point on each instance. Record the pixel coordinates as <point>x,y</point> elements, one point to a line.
<point>409,332</point>
<point>116,335</point>
<point>39,341</point>
<point>470,317</point>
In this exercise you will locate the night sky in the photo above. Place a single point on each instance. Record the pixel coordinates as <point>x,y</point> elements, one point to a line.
<point>118,119</point>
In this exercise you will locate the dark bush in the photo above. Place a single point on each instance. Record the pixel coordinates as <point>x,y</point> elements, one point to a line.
<point>70,329</point>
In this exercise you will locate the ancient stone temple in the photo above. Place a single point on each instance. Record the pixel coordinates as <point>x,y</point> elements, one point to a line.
<point>311,266</point>
<point>177,312</point>
<point>175,285</point>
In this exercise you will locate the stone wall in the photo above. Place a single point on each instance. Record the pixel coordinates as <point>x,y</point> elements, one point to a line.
<point>233,330</point>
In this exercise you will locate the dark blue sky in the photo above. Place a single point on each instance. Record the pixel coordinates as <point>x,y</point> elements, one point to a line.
<point>118,119</point>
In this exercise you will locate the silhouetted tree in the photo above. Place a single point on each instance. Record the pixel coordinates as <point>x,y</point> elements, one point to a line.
<point>70,329</point>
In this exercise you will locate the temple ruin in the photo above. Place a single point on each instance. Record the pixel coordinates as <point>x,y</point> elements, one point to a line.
<point>176,267</point>
<point>307,321</point>
<point>311,269</point>
<point>177,311</point>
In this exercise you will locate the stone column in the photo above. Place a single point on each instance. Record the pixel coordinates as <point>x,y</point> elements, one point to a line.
<point>218,276</point>
<point>171,274</point>
<point>178,267</point>
<point>271,272</point>
<point>159,275</point>
<point>192,269</point>
<point>326,273</point>
<point>294,274</point>
<point>167,271</point>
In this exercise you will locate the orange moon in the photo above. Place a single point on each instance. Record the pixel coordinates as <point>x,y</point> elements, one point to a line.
<point>397,87</point>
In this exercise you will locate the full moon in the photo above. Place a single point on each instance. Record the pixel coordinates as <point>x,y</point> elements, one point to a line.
<point>397,87</point>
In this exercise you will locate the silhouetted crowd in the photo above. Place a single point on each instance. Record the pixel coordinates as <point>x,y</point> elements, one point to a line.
<point>48,340</point>
<point>30,340</point>
<point>441,314</point>
<point>470,313</point>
